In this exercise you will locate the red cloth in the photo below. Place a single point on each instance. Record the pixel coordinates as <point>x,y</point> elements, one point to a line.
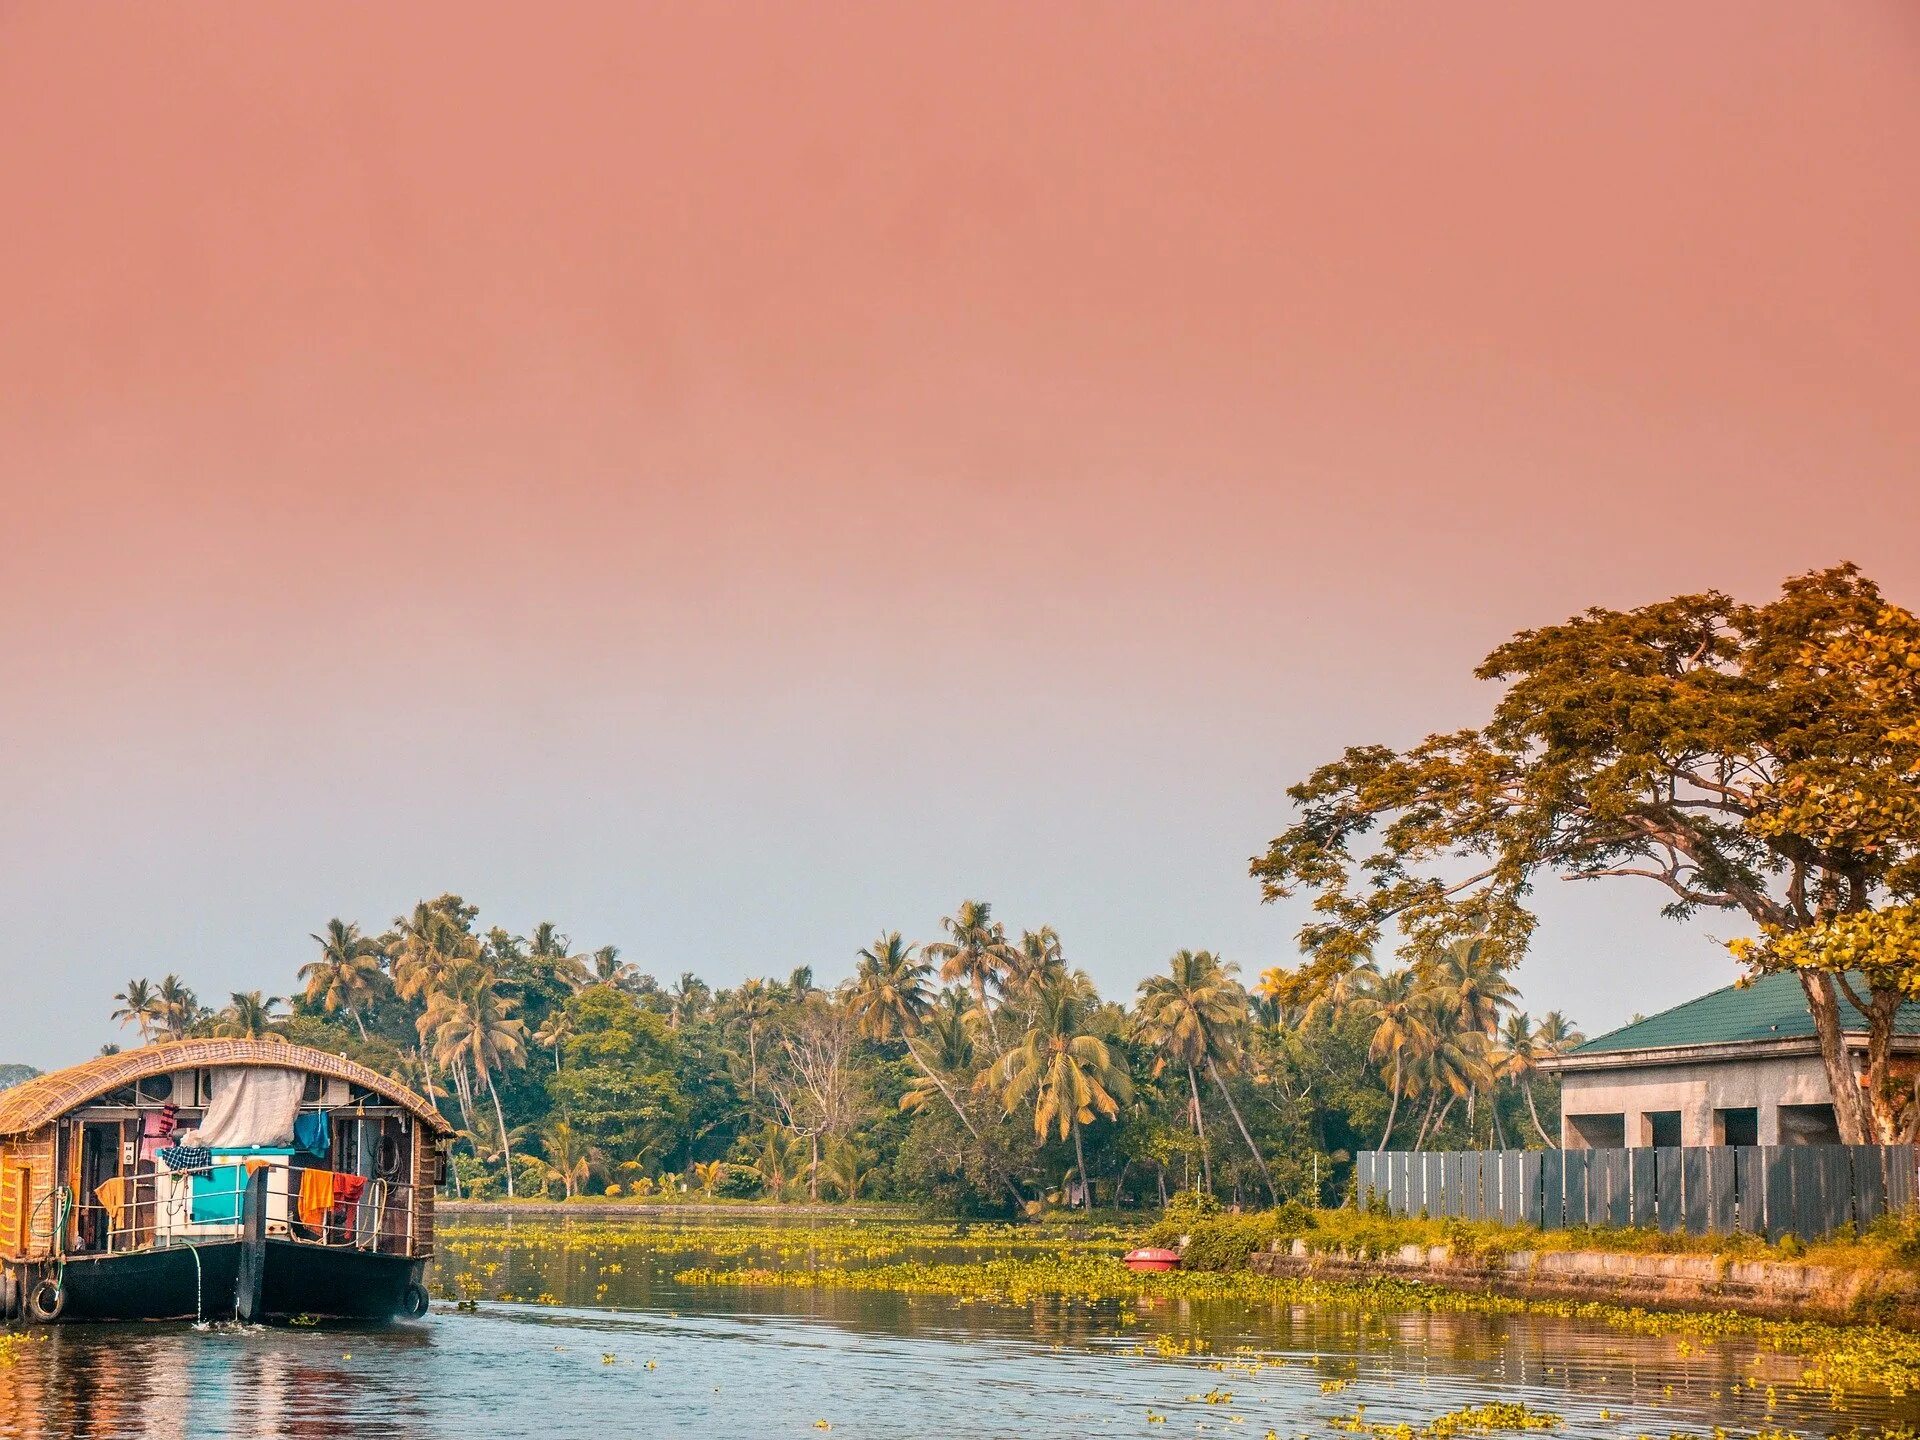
<point>347,1188</point>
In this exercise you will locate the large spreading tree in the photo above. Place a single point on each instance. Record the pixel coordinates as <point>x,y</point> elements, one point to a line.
<point>1759,759</point>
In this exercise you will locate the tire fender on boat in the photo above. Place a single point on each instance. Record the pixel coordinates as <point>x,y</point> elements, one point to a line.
<point>413,1304</point>
<point>47,1301</point>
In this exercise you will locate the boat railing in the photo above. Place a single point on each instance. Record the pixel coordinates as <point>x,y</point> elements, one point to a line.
<point>160,1211</point>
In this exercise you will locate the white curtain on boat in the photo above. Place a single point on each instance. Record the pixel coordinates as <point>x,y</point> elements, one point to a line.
<point>250,1106</point>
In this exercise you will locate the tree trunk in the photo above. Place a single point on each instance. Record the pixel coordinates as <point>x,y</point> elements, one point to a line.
<point>1273,1195</point>
<point>506,1148</point>
<point>1080,1158</point>
<point>1200,1131</point>
<point>1393,1108</point>
<point>1493,1109</point>
<point>1534,1111</point>
<point>1849,1113</point>
<point>813,1169</point>
<point>1426,1120</point>
<point>358,1024</point>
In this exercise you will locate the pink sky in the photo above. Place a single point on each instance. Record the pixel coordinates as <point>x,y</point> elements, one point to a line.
<point>731,479</point>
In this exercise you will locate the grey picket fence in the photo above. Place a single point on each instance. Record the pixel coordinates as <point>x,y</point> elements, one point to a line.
<point>1772,1190</point>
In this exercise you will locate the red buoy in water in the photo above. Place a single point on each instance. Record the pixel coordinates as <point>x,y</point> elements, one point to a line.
<point>1151,1259</point>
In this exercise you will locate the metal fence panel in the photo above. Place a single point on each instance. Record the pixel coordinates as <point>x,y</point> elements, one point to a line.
<point>1899,1176</point>
<point>1669,1186</point>
<point>1578,1163</point>
<point>1869,1183</point>
<point>1528,1164</point>
<point>1723,1210</point>
<point>1641,1189</point>
<point>1776,1180</point>
<point>1619,1191</point>
<point>1695,1204</point>
<point>1553,1190</point>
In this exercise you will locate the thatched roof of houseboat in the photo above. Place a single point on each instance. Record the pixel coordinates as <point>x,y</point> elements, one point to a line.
<point>45,1098</point>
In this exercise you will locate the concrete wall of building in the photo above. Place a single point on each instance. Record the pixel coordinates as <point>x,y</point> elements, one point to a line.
<point>1698,1092</point>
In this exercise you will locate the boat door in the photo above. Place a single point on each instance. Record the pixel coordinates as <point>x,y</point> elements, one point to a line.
<point>98,1158</point>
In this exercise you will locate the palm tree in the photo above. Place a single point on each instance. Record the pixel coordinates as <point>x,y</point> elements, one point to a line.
<point>179,1008</point>
<point>1195,1014</point>
<point>781,1161</point>
<point>1517,1061</point>
<point>469,1021</point>
<point>555,1034</point>
<point>249,1017</point>
<point>1455,1065</point>
<point>1557,1035</point>
<point>571,1159</point>
<point>888,998</point>
<point>1394,1002</point>
<point>847,1169</point>
<point>138,1006</point>
<point>548,948</point>
<point>1039,961</point>
<point>426,944</point>
<point>687,999</point>
<point>610,969</point>
<point>1068,1071</point>
<point>347,975</point>
<point>976,950</point>
<point>889,991</point>
<point>756,1003</point>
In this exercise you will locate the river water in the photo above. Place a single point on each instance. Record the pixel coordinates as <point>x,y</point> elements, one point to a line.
<point>607,1343</point>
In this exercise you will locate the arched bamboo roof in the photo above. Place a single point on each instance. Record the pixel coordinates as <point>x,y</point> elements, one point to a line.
<point>45,1098</point>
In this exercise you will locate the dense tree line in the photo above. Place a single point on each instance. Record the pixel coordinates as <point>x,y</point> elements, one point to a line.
<point>975,1072</point>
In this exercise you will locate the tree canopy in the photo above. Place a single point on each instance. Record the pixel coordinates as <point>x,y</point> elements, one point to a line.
<point>1757,759</point>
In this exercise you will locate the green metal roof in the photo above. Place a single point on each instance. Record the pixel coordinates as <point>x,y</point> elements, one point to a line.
<point>1773,1007</point>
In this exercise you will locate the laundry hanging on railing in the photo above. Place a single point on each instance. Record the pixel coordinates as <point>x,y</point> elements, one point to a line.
<point>115,1196</point>
<point>316,1197</point>
<point>313,1132</point>
<point>186,1159</point>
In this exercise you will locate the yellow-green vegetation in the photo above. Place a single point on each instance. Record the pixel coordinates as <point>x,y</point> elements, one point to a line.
<point>1488,1419</point>
<point>1018,1265</point>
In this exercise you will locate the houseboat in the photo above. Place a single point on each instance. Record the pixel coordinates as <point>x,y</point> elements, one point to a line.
<point>216,1179</point>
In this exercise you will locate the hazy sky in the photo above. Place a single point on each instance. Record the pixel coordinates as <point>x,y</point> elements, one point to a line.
<point>734,479</point>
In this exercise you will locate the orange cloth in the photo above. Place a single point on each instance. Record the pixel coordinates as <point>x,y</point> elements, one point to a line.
<point>114,1197</point>
<point>316,1197</point>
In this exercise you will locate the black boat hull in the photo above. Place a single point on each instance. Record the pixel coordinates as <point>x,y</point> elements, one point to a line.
<point>201,1282</point>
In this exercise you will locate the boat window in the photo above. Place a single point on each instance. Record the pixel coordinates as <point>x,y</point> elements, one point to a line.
<point>316,1090</point>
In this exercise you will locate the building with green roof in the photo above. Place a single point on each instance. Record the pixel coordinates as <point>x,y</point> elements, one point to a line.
<point>1739,1066</point>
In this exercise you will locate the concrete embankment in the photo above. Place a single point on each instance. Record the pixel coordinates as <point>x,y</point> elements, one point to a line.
<point>1662,1282</point>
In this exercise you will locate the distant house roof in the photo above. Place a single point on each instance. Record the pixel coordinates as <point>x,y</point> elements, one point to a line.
<point>1773,1007</point>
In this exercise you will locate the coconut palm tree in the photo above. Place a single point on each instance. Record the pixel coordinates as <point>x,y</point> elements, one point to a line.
<point>549,949</point>
<point>688,999</point>
<point>249,1017</point>
<point>470,1022</point>
<point>1195,1015</point>
<point>847,1169</point>
<point>138,1006</point>
<point>555,1033</point>
<point>755,1002</point>
<point>1557,1035</point>
<point>782,1159</point>
<point>348,973</point>
<point>607,968</point>
<point>179,1007</point>
<point>1453,1066</point>
<point>1038,961</point>
<point>570,1157</point>
<point>425,945</point>
<point>1517,1061</point>
<point>888,995</point>
<point>888,999</point>
<point>976,950</point>
<point>1065,1069</point>
<point>1396,1005</point>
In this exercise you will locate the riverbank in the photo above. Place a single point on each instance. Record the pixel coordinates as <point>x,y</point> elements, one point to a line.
<point>1768,1288</point>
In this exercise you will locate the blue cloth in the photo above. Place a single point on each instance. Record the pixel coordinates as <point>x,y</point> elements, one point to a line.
<point>313,1132</point>
<point>186,1159</point>
<point>219,1195</point>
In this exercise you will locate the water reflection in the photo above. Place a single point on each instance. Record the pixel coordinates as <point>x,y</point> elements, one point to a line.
<point>625,1348</point>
